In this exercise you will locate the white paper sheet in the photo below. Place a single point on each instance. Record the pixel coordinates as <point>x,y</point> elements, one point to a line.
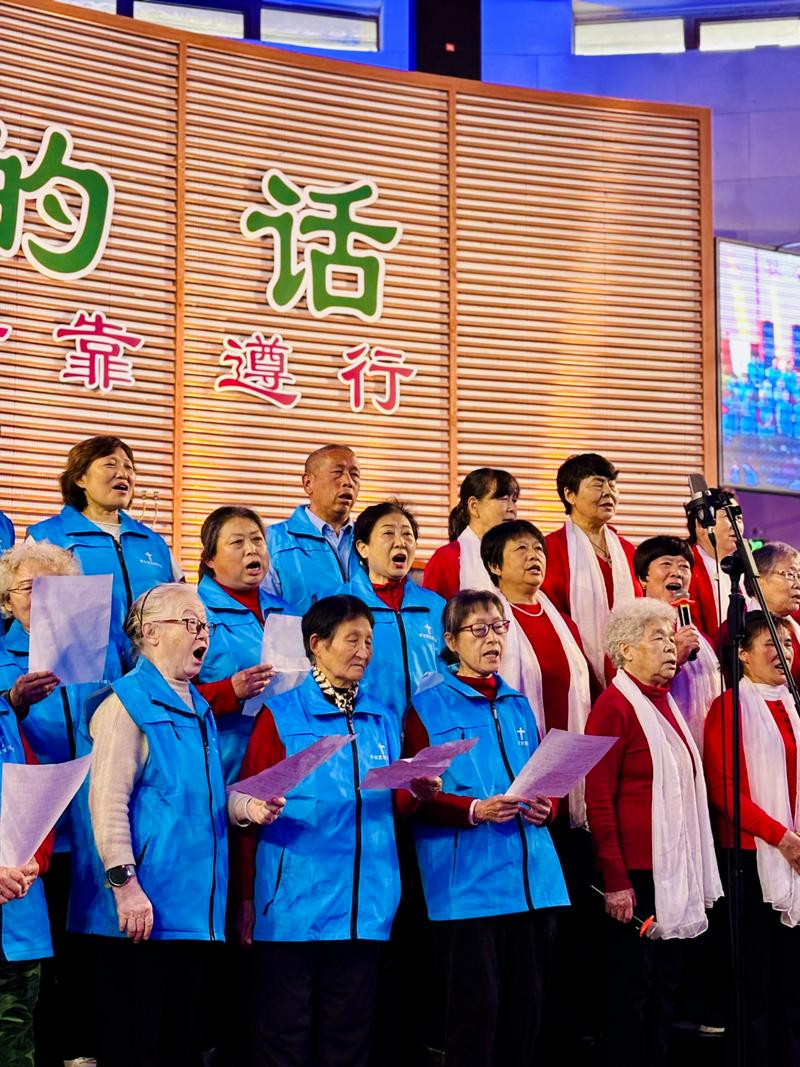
<point>70,622</point>
<point>34,796</point>
<point>559,763</point>
<point>282,646</point>
<point>429,762</point>
<point>280,779</point>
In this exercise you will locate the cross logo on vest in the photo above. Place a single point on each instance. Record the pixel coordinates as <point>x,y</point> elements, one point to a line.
<point>148,559</point>
<point>428,633</point>
<point>384,755</point>
<point>521,735</point>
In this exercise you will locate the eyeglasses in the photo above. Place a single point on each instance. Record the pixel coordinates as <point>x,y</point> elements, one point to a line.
<point>790,576</point>
<point>194,626</point>
<point>26,587</point>
<point>481,629</point>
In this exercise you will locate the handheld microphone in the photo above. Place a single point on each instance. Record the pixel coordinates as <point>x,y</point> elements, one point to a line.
<point>682,606</point>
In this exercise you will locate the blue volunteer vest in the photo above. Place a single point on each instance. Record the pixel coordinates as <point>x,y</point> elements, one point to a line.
<point>305,563</point>
<point>178,819</point>
<point>138,561</point>
<point>492,868</point>
<point>405,644</point>
<point>327,869</point>
<point>24,924</point>
<point>52,725</point>
<point>236,645</point>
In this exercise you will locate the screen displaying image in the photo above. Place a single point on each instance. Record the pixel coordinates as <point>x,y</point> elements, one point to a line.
<point>759,357</point>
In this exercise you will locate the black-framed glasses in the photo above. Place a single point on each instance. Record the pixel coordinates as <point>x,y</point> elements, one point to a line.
<point>194,626</point>
<point>26,587</point>
<point>481,629</point>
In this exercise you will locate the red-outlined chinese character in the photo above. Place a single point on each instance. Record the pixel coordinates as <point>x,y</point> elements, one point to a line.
<point>97,361</point>
<point>381,362</point>
<point>259,367</point>
<point>5,332</point>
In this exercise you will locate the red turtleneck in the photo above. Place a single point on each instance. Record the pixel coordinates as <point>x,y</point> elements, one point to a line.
<point>391,593</point>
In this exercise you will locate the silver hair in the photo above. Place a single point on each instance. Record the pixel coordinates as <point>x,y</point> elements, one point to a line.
<point>50,559</point>
<point>151,606</point>
<point>627,625</point>
<point>770,556</point>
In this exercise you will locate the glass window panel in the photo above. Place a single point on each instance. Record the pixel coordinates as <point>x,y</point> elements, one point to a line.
<point>624,38</point>
<point>197,19</point>
<point>306,29</point>
<point>740,34</point>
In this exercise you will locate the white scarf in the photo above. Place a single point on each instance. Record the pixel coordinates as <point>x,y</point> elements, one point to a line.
<point>695,687</point>
<point>522,671</point>
<point>684,865</point>
<point>588,600</point>
<point>473,574</point>
<point>765,756</point>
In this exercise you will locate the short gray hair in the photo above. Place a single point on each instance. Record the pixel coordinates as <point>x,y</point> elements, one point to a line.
<point>770,556</point>
<point>49,558</point>
<point>150,606</point>
<point>627,624</point>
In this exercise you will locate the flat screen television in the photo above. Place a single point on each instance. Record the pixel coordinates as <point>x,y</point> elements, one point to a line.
<point>758,333</point>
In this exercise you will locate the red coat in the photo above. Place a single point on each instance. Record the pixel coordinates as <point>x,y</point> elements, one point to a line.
<point>718,763</point>
<point>619,789</point>
<point>443,571</point>
<point>705,615</point>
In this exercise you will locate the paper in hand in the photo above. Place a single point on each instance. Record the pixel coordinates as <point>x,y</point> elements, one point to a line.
<point>282,646</point>
<point>559,763</point>
<point>429,762</point>
<point>70,623</point>
<point>280,779</point>
<point>32,800</point>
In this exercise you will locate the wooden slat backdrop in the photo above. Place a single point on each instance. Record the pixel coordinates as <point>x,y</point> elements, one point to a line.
<point>115,91</point>
<point>554,281</point>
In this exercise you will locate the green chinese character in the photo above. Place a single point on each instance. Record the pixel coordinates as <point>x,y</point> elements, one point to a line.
<point>327,221</point>
<point>44,181</point>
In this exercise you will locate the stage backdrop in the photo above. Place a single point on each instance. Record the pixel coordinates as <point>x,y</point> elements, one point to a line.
<point>229,255</point>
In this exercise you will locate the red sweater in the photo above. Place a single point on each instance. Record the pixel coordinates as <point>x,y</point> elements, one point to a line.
<point>443,571</point>
<point>619,789</point>
<point>220,694</point>
<point>264,749</point>
<point>553,663</point>
<point>718,763</point>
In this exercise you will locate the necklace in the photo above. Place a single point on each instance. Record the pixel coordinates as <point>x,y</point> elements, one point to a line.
<point>601,552</point>
<point>530,614</point>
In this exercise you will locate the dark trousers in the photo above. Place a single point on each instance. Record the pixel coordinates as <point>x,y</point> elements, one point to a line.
<point>770,962</point>
<point>152,1001</point>
<point>19,986</point>
<point>570,1018</point>
<point>64,1020</point>
<point>642,986</point>
<point>313,1002</point>
<point>495,972</point>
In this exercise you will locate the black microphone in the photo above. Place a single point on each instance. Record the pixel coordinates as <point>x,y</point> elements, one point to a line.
<point>684,616</point>
<point>702,504</point>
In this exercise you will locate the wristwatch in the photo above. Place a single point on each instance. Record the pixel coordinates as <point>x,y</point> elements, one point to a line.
<point>117,877</point>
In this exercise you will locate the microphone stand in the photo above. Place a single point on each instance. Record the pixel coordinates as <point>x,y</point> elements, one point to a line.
<point>741,564</point>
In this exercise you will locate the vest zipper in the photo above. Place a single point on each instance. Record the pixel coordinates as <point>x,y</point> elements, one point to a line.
<point>404,647</point>
<point>125,576</point>
<point>68,723</point>
<point>518,818</point>
<point>357,854</point>
<point>204,734</point>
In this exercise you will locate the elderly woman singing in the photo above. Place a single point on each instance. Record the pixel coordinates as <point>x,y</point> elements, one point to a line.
<point>153,875</point>
<point>648,813</point>
<point>590,567</point>
<point>664,566</point>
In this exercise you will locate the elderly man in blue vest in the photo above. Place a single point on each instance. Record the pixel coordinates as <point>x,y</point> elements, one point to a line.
<point>312,550</point>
